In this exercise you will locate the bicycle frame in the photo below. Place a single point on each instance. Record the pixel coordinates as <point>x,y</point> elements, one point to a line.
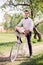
<point>15,48</point>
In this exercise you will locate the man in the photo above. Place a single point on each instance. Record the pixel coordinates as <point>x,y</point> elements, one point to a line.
<point>27,24</point>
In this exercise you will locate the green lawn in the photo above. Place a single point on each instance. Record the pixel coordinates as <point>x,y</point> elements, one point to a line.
<point>8,39</point>
<point>36,60</point>
<point>6,42</point>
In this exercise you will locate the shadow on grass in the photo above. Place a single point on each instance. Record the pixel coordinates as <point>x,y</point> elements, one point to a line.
<point>7,43</point>
<point>34,61</point>
<point>3,63</point>
<point>4,59</point>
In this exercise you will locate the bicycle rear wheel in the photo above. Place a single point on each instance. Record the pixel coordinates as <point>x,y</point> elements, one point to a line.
<point>14,52</point>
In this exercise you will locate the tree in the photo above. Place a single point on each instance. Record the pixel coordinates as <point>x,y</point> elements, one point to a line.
<point>7,21</point>
<point>15,20</point>
<point>6,26</point>
<point>34,6</point>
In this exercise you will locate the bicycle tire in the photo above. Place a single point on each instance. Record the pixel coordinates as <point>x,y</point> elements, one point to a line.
<point>14,52</point>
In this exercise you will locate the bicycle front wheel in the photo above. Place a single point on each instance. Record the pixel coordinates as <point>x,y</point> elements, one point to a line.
<point>14,52</point>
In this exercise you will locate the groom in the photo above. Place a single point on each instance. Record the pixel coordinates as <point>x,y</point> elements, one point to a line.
<point>27,24</point>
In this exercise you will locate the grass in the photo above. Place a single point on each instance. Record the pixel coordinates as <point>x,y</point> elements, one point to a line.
<point>8,39</point>
<point>6,42</point>
<point>36,60</point>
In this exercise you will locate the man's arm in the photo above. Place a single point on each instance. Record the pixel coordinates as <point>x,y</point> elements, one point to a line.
<point>21,23</point>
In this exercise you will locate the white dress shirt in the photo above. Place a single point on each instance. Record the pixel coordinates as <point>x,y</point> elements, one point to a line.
<point>27,24</point>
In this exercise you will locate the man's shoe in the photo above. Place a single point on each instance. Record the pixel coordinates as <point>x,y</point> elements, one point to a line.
<point>31,57</point>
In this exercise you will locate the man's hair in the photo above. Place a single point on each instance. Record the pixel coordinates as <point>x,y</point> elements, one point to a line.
<point>26,11</point>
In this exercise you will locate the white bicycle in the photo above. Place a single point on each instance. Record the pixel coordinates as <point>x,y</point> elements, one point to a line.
<point>15,48</point>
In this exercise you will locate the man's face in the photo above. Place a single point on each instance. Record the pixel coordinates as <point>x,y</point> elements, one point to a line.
<point>26,14</point>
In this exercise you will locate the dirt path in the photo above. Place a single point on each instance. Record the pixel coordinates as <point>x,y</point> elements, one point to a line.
<point>37,48</point>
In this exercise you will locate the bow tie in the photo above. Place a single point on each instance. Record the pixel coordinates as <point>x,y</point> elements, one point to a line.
<point>26,18</point>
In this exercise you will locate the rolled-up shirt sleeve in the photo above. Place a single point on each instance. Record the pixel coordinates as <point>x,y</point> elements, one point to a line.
<point>21,23</point>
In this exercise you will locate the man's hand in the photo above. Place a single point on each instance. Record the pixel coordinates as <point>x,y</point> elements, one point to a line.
<point>22,30</point>
<point>16,28</point>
